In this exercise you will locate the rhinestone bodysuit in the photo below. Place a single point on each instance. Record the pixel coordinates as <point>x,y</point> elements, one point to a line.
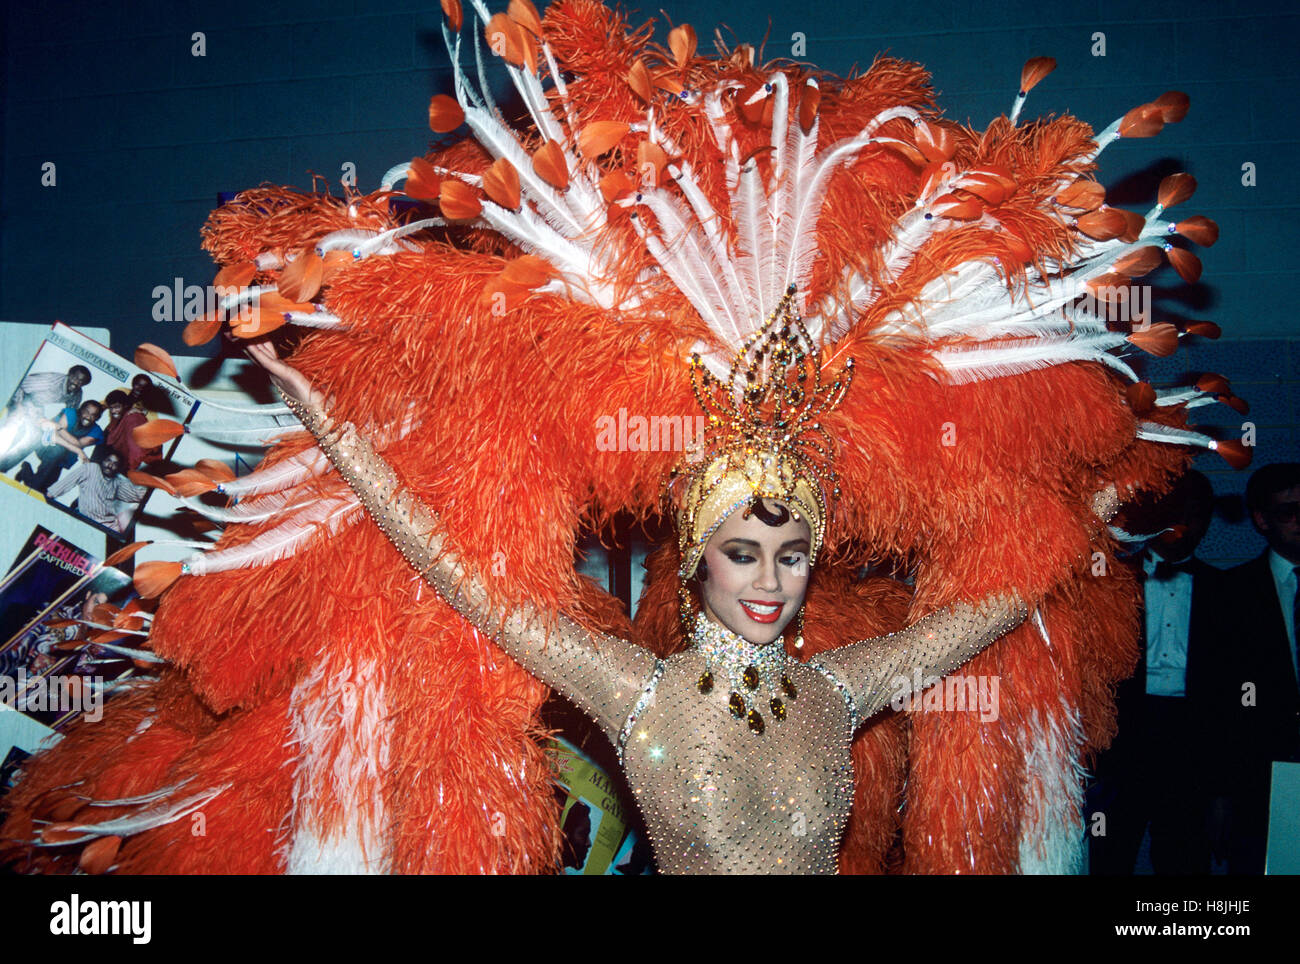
<point>716,796</point>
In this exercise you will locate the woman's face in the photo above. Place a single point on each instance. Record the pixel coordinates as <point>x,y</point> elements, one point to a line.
<point>757,573</point>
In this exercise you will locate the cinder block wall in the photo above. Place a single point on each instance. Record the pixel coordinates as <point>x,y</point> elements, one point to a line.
<point>143,131</point>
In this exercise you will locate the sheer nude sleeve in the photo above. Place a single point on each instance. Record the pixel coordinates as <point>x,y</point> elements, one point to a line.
<point>876,672</point>
<point>602,675</point>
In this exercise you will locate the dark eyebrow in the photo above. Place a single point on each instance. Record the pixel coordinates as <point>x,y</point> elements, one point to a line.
<point>752,544</point>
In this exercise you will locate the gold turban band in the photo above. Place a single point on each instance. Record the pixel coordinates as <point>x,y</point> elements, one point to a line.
<point>763,438</point>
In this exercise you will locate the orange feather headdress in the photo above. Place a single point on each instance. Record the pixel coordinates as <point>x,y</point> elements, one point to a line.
<point>648,206</point>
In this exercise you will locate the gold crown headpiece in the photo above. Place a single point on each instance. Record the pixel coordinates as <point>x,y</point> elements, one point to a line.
<point>763,438</point>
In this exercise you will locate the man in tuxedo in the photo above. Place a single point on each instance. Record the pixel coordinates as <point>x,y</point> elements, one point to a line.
<point>1253,673</point>
<point>1153,774</point>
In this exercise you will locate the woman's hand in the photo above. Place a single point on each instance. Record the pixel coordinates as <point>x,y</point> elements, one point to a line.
<point>288,379</point>
<point>1105,503</point>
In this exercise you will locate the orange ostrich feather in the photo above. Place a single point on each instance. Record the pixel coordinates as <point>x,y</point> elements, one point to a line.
<point>477,340</point>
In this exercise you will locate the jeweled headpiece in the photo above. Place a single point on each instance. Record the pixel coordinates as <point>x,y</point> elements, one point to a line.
<point>763,438</point>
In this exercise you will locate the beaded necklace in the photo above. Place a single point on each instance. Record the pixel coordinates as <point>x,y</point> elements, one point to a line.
<point>746,666</point>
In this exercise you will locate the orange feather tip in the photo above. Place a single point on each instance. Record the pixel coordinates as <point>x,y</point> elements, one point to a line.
<point>1160,339</point>
<point>957,208</point>
<point>809,100</point>
<point>1133,225</point>
<point>649,156</point>
<point>1145,120</point>
<point>599,137</point>
<point>216,470</point>
<point>992,186</point>
<point>200,331</point>
<point>98,857</point>
<point>150,481</point>
<point>614,185</point>
<point>1198,229</point>
<point>153,578</point>
<point>501,184</point>
<point>156,433</point>
<point>1082,196</point>
<point>459,201</point>
<point>1103,225</point>
<point>1235,453</point>
<point>452,11</point>
<point>682,42</point>
<point>1173,106</point>
<point>1110,287</point>
<point>1203,329</point>
<point>1175,189</point>
<point>1035,69</point>
<point>638,78</point>
<point>301,278</point>
<point>256,322</point>
<point>1236,403</point>
<point>1213,383</point>
<point>752,102</point>
<point>507,39</point>
<point>236,275</point>
<point>60,833</point>
<point>154,359</point>
<point>551,166</point>
<point>1143,261</point>
<point>423,183</point>
<point>1141,397</point>
<point>125,553</point>
<point>934,141</point>
<point>270,313</point>
<point>524,13</point>
<point>1185,263</point>
<point>190,483</point>
<point>528,271</point>
<point>445,114</point>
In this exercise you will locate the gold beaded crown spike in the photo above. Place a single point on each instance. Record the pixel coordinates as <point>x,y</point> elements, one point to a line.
<point>763,438</point>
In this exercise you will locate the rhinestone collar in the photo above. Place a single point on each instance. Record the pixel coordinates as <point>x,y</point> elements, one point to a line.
<point>744,665</point>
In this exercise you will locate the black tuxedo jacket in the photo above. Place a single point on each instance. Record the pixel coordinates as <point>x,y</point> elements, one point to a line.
<point>1126,750</point>
<point>1250,651</point>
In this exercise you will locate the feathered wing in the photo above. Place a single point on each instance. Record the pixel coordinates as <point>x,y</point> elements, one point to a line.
<point>649,204</point>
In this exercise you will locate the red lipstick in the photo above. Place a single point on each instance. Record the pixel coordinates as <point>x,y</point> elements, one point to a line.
<point>763,615</point>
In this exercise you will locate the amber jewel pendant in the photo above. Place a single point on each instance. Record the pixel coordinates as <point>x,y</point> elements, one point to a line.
<point>748,666</point>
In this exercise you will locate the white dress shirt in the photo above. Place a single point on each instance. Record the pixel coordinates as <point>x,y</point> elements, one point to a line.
<point>1168,604</point>
<point>1284,580</point>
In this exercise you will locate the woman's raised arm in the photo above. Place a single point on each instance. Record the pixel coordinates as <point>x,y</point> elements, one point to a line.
<point>886,669</point>
<point>602,675</point>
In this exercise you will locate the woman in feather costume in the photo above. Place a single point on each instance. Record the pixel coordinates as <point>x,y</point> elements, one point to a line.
<point>327,711</point>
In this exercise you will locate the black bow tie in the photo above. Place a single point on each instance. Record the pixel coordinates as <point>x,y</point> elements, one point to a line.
<point>1166,569</point>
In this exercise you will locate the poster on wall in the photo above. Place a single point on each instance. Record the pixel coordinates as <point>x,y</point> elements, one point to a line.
<point>68,430</point>
<point>598,839</point>
<point>61,654</point>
